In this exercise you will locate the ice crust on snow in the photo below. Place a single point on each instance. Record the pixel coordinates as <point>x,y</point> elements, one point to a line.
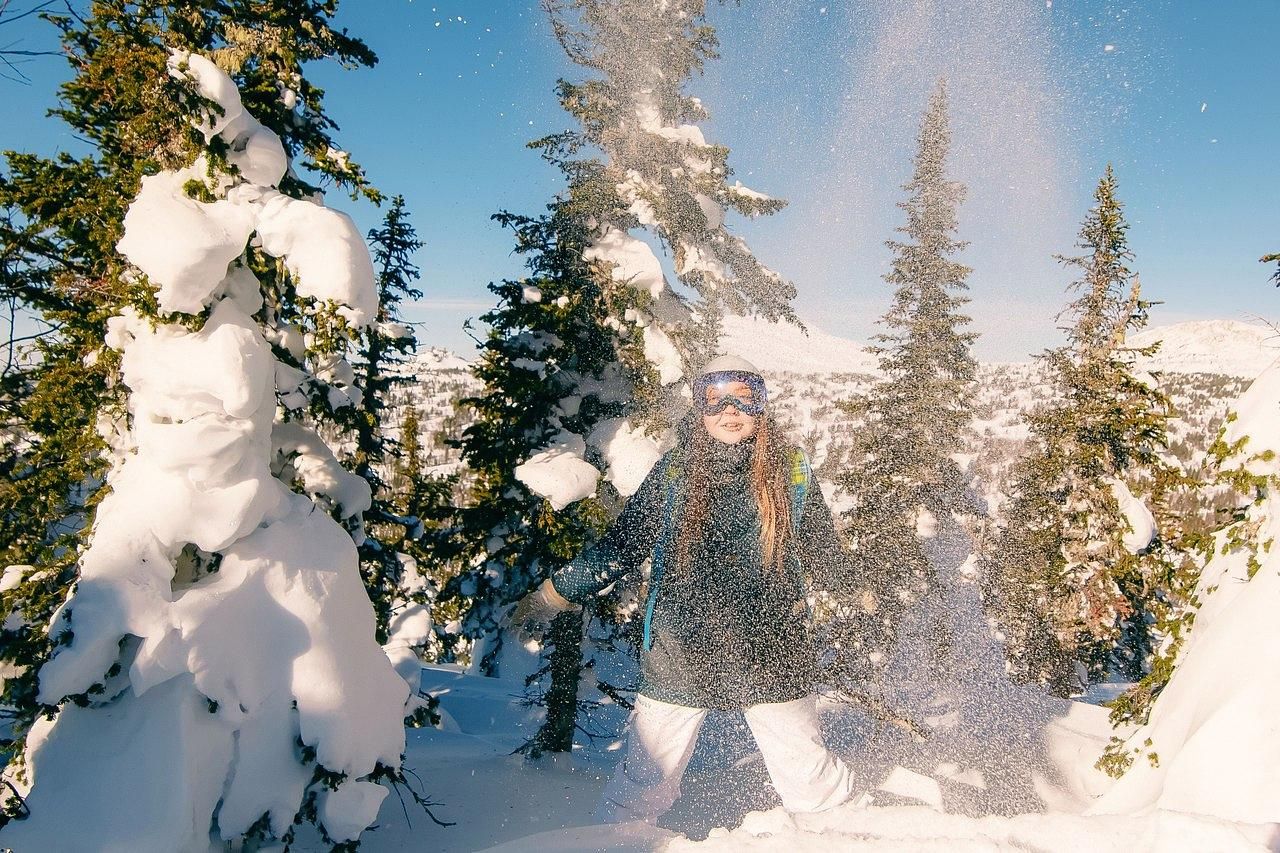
<point>224,672</point>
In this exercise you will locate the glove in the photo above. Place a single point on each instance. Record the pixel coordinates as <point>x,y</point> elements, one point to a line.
<point>533,613</point>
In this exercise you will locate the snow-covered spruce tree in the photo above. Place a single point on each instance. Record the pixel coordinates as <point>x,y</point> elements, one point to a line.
<point>1068,575</point>
<point>1239,460</point>
<point>217,649</point>
<point>1208,744</point>
<point>675,184</point>
<point>912,421</point>
<point>632,335</point>
<point>63,217</point>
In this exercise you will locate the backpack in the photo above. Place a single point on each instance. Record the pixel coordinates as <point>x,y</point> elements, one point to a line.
<point>801,477</point>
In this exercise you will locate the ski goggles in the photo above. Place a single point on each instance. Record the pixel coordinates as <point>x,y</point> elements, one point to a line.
<point>711,394</point>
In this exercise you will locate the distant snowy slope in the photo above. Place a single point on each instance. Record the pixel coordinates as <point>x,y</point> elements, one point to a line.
<point>1231,347</point>
<point>781,347</point>
<point>435,358</point>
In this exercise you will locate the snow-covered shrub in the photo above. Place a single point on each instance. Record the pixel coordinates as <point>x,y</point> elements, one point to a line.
<point>216,673</point>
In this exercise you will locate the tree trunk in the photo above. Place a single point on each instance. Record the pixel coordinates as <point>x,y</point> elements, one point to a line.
<point>565,641</point>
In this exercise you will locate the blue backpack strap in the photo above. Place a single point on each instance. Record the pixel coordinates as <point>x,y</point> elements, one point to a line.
<point>658,562</point>
<point>801,477</point>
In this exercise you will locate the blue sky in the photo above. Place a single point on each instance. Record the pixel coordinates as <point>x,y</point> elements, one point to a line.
<point>819,101</point>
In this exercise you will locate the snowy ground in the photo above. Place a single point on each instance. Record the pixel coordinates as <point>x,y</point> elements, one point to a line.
<point>502,802</point>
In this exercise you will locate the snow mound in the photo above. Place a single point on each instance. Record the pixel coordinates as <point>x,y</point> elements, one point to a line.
<point>629,453</point>
<point>633,261</point>
<point>559,473</point>
<point>1230,347</point>
<point>782,347</point>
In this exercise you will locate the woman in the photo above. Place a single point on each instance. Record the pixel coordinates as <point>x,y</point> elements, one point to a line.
<point>732,520</point>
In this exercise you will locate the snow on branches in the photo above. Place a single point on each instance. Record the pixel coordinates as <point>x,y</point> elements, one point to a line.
<point>218,649</point>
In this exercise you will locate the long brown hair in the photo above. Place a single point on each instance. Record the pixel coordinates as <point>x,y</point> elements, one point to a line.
<point>769,483</point>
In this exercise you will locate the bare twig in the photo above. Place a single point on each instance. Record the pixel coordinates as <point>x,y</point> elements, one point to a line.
<point>9,51</point>
<point>26,810</point>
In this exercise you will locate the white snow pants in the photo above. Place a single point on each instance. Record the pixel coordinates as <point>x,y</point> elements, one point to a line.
<point>807,777</point>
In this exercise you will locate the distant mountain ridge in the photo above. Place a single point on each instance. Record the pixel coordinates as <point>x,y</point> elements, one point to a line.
<point>784,348</point>
<point>429,358</point>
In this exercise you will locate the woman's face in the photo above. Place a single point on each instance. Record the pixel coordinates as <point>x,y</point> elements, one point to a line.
<point>730,425</point>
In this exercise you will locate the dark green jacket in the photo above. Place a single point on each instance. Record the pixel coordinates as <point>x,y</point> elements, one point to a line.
<point>727,633</point>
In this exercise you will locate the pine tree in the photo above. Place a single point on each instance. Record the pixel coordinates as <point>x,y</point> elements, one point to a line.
<point>912,421</point>
<point>134,102</point>
<point>592,347</point>
<point>382,347</point>
<point>1068,591</point>
<point>1238,467</point>
<point>671,180</point>
<point>408,463</point>
<point>549,339</point>
<point>395,568</point>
